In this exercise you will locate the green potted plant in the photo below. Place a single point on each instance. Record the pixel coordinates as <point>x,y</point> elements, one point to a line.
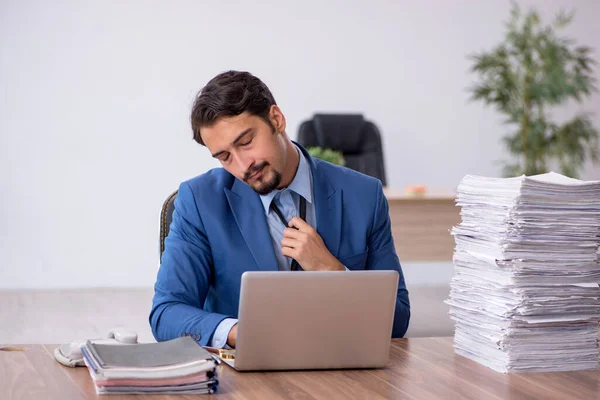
<point>532,71</point>
<point>332,156</point>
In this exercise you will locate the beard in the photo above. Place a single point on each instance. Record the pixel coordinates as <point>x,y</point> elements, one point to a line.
<point>263,186</point>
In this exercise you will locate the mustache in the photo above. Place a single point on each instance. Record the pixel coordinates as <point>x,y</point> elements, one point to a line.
<point>255,169</point>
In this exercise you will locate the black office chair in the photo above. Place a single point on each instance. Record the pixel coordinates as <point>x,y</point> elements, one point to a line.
<point>166,216</point>
<point>357,139</point>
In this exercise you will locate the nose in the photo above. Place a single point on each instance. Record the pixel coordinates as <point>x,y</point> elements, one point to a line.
<point>244,162</point>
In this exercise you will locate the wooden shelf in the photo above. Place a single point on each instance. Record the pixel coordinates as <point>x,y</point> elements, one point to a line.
<point>421,225</point>
<point>397,194</point>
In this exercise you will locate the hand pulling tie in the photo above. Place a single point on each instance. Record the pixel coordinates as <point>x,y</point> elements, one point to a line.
<point>295,266</point>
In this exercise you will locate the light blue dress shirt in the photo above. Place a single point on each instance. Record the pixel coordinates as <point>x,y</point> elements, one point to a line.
<point>288,201</point>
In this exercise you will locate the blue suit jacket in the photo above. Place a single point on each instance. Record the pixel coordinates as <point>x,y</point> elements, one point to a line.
<point>219,231</point>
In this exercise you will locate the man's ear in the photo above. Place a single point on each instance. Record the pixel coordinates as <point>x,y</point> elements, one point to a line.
<point>277,119</point>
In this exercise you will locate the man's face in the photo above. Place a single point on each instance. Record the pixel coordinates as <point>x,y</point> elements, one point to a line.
<point>249,148</point>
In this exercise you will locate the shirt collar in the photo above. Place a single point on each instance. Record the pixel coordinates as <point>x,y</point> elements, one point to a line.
<point>301,184</point>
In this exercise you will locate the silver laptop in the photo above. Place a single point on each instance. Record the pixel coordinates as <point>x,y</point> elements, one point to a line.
<point>315,320</point>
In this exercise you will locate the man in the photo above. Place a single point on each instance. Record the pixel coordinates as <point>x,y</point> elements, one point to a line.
<point>233,219</point>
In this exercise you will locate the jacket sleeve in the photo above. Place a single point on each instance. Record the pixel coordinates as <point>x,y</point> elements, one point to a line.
<point>184,277</point>
<point>382,255</point>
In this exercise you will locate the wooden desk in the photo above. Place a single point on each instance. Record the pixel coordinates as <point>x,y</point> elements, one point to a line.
<point>421,368</point>
<point>421,225</point>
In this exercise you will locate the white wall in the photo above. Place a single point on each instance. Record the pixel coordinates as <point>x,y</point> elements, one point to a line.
<point>95,98</point>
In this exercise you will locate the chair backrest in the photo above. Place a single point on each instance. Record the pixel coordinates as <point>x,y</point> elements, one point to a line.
<point>358,140</point>
<point>166,216</point>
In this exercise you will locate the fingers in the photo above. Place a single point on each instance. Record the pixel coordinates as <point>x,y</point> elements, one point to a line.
<point>290,246</point>
<point>289,252</point>
<point>293,233</point>
<point>300,224</point>
<point>289,242</point>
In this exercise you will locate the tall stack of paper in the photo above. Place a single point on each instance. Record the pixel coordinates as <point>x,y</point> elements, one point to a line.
<point>178,366</point>
<point>525,294</point>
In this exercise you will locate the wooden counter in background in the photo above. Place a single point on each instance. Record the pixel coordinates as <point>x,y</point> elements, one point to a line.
<point>421,225</point>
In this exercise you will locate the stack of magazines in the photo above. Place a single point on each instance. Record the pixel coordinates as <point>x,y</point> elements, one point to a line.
<point>525,295</point>
<point>178,366</point>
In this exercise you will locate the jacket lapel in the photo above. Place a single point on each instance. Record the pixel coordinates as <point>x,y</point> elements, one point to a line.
<point>249,215</point>
<point>328,207</point>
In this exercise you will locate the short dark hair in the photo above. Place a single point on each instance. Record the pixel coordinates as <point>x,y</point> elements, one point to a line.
<point>227,94</point>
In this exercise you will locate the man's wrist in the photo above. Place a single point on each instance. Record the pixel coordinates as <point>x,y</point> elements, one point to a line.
<point>219,339</point>
<point>336,266</point>
<point>232,336</point>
